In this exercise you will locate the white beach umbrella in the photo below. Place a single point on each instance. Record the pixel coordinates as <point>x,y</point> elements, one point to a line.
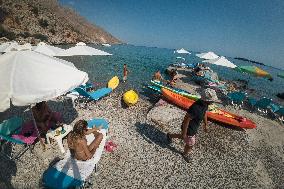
<point>26,46</point>
<point>81,49</point>
<point>208,55</point>
<point>221,61</point>
<point>182,51</point>
<point>8,47</point>
<point>29,77</point>
<point>47,49</point>
<point>4,46</point>
<point>106,45</point>
<point>14,46</point>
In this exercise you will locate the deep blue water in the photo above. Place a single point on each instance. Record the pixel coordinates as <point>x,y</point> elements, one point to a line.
<point>142,62</point>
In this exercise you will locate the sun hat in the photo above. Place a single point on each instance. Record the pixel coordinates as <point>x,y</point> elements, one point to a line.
<point>209,95</point>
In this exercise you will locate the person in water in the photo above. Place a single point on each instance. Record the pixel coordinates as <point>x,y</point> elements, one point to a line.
<point>44,117</point>
<point>192,120</point>
<point>125,72</point>
<point>158,77</point>
<point>77,141</point>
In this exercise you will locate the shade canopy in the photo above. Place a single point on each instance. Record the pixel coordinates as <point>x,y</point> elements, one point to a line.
<point>29,77</point>
<point>106,45</point>
<point>26,46</point>
<point>182,51</point>
<point>208,55</point>
<point>14,46</point>
<point>281,75</point>
<point>221,61</point>
<point>254,71</point>
<point>9,46</point>
<point>82,49</point>
<point>47,49</point>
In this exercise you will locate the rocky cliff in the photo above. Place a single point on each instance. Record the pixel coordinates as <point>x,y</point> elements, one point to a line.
<point>45,20</point>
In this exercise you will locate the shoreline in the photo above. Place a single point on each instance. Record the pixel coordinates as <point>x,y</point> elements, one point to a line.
<point>143,159</point>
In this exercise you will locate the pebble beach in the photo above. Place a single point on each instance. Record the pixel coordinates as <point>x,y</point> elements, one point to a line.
<point>225,157</point>
<point>144,73</point>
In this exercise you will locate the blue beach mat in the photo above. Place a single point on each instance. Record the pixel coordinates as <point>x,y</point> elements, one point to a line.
<point>96,122</point>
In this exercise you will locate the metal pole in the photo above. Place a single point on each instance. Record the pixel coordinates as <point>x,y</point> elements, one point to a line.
<point>38,133</point>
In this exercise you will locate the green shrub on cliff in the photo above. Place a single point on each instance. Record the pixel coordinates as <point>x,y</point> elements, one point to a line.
<point>7,34</point>
<point>43,23</point>
<point>40,36</point>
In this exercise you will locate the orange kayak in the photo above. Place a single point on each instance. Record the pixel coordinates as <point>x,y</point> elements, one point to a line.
<point>217,114</point>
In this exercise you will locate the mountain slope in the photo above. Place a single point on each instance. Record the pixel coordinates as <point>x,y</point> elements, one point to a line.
<point>41,20</point>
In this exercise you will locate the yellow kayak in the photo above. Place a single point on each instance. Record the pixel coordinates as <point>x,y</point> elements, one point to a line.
<point>130,97</point>
<point>113,83</point>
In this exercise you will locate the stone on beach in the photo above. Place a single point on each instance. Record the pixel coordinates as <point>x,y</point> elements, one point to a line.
<point>165,114</point>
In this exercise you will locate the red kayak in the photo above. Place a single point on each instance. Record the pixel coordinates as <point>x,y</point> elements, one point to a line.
<point>217,114</point>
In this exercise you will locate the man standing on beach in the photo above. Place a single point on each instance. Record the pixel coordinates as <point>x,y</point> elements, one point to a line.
<point>125,72</point>
<point>195,114</point>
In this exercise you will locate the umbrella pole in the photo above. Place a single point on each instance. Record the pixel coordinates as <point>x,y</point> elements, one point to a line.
<point>37,131</point>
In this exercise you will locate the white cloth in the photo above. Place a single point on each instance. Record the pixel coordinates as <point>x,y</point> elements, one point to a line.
<point>81,170</point>
<point>8,47</point>
<point>28,77</point>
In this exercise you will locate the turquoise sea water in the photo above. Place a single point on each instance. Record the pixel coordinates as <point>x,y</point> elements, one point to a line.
<point>142,62</point>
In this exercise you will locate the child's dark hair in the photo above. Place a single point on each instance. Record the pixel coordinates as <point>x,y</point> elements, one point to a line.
<point>39,105</point>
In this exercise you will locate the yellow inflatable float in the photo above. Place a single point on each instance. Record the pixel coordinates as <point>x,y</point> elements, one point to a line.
<point>130,97</point>
<point>113,83</point>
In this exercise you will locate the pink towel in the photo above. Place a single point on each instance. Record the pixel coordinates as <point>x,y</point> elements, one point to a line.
<point>28,133</point>
<point>110,146</point>
<point>27,127</point>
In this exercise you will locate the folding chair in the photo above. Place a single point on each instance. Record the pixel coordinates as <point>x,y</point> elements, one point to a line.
<point>13,132</point>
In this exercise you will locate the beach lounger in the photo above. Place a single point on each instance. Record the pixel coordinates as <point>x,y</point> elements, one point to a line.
<point>277,111</point>
<point>274,107</point>
<point>280,113</point>
<point>71,173</point>
<point>96,95</point>
<point>237,98</point>
<point>262,105</point>
<point>12,131</point>
<point>85,87</point>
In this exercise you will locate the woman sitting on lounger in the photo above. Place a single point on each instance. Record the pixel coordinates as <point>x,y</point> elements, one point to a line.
<point>77,141</point>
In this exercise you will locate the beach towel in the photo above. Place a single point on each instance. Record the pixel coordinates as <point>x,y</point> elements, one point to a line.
<point>28,133</point>
<point>69,172</point>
